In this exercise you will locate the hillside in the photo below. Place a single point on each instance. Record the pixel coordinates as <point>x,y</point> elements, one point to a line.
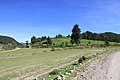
<point>87,39</point>
<point>83,42</point>
<point>8,43</point>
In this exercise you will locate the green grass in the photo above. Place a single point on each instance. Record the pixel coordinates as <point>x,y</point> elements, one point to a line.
<point>31,62</point>
<point>84,42</point>
<point>25,61</point>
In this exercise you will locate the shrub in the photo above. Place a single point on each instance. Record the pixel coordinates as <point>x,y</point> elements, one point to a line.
<point>82,59</point>
<point>54,72</point>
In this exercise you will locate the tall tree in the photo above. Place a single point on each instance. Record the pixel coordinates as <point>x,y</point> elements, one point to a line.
<point>75,36</point>
<point>33,40</point>
<point>27,44</point>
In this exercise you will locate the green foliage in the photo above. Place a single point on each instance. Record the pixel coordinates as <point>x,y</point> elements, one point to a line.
<point>59,36</point>
<point>82,59</point>
<point>27,44</point>
<point>75,36</point>
<point>42,42</point>
<point>66,44</point>
<point>43,38</point>
<point>54,72</point>
<point>107,43</point>
<point>36,46</point>
<point>49,41</point>
<point>33,40</point>
<point>87,35</point>
<point>107,36</point>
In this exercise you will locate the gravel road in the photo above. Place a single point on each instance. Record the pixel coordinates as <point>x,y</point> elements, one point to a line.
<point>108,68</point>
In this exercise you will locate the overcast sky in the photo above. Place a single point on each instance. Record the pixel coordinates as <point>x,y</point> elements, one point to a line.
<point>23,19</point>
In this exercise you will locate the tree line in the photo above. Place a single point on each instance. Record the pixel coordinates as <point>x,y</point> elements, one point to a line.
<point>76,36</point>
<point>107,36</point>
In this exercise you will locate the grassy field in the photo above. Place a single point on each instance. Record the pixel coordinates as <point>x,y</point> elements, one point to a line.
<point>28,63</point>
<point>84,42</point>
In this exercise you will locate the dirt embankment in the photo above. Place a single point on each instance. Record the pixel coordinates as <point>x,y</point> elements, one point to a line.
<point>106,69</point>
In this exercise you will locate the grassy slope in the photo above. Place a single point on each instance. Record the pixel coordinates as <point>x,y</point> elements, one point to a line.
<point>84,42</point>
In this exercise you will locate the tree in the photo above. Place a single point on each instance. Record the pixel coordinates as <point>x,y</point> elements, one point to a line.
<point>107,36</point>
<point>68,36</point>
<point>87,35</point>
<point>107,43</point>
<point>95,36</point>
<point>33,40</point>
<point>49,41</point>
<point>43,38</point>
<point>27,44</point>
<point>75,36</point>
<point>59,36</point>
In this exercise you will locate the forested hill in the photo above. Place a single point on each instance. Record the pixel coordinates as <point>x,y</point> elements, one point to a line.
<point>109,36</point>
<point>8,42</point>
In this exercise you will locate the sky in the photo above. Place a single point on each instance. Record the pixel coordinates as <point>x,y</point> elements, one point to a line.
<point>22,19</point>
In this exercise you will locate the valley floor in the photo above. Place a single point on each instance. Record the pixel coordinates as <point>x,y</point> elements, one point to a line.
<point>28,64</point>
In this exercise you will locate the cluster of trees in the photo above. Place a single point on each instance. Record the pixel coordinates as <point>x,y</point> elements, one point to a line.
<point>59,36</point>
<point>107,36</point>
<point>41,41</point>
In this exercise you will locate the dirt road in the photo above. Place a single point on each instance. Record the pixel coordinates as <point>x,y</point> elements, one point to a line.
<point>114,68</point>
<point>106,69</point>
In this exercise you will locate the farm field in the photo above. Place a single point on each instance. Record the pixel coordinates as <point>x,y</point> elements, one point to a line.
<point>28,63</point>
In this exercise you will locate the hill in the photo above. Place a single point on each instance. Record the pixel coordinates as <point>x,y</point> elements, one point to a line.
<point>107,36</point>
<point>87,39</point>
<point>7,43</point>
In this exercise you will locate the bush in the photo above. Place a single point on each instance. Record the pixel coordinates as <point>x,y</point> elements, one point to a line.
<point>82,59</point>
<point>54,72</point>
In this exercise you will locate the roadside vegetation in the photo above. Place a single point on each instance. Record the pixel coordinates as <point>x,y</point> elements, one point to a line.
<point>69,72</point>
